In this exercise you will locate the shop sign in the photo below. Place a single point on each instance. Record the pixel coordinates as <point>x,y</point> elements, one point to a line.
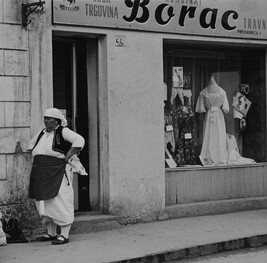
<point>224,18</point>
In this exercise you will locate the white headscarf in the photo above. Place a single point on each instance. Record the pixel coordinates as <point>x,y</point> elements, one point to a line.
<point>57,114</point>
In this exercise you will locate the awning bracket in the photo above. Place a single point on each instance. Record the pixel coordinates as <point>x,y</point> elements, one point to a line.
<point>29,8</point>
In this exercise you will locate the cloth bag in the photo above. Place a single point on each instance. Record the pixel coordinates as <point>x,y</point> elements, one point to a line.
<point>2,233</point>
<point>13,231</point>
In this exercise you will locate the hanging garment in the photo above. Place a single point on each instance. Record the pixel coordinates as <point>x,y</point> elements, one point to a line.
<point>214,130</point>
<point>179,92</point>
<point>184,135</point>
<point>168,134</point>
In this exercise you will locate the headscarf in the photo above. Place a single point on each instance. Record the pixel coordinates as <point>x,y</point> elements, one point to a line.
<point>57,114</point>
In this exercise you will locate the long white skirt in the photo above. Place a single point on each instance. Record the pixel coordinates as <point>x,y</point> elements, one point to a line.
<point>214,141</point>
<point>61,208</point>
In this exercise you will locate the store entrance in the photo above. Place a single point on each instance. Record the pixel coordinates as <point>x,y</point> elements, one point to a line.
<point>72,95</point>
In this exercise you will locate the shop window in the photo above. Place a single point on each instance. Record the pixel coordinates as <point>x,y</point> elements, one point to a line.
<point>215,106</point>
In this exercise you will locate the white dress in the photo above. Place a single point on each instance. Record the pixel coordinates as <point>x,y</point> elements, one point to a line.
<point>233,156</point>
<point>214,130</point>
<point>60,208</point>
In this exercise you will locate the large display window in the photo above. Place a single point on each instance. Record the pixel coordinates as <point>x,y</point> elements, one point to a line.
<point>215,105</point>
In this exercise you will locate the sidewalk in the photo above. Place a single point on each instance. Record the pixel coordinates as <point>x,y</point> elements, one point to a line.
<point>150,242</point>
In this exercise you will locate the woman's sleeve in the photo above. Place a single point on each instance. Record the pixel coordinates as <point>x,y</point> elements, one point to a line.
<point>72,137</point>
<point>33,141</point>
<point>200,107</point>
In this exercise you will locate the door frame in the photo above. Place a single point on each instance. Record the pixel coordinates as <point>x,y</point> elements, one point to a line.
<point>93,115</point>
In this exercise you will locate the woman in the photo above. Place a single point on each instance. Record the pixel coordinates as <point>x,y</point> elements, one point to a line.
<point>51,176</point>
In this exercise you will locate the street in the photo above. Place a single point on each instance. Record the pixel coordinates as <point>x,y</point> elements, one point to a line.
<point>252,255</point>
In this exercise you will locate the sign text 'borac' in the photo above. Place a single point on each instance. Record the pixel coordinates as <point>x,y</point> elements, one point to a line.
<point>201,17</point>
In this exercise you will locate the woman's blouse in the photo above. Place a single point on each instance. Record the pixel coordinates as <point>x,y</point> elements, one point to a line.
<point>44,145</point>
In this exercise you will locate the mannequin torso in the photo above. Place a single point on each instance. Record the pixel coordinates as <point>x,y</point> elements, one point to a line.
<point>212,86</point>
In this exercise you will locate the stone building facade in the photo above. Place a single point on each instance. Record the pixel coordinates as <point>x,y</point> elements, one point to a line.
<point>104,64</point>
<point>15,104</point>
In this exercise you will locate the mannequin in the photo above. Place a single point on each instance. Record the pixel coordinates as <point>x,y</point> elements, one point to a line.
<point>212,86</point>
<point>213,102</point>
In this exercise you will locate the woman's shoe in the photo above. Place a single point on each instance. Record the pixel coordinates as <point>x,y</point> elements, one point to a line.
<point>58,241</point>
<point>46,237</point>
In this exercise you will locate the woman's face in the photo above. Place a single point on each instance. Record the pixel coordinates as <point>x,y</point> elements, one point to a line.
<point>50,123</point>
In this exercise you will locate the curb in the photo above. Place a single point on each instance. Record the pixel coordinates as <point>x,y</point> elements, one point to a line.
<point>201,250</point>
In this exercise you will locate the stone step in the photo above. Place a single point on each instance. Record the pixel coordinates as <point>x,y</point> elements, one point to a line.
<point>87,222</point>
<point>84,222</point>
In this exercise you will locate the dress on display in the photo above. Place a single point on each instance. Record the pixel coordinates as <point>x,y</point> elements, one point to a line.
<point>169,140</point>
<point>184,133</point>
<point>169,136</point>
<point>214,130</point>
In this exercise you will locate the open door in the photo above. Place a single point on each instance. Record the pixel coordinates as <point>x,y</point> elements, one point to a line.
<point>72,82</point>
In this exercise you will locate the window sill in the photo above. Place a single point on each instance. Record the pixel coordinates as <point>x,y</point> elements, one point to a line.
<point>214,167</point>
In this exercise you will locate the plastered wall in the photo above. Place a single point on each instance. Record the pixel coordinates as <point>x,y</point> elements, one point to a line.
<point>130,110</point>
<point>135,103</point>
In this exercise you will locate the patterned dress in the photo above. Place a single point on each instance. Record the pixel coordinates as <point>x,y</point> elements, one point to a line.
<point>184,135</point>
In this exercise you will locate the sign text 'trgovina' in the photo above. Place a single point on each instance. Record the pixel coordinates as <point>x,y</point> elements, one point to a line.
<point>244,19</point>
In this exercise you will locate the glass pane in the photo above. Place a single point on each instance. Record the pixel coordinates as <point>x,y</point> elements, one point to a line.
<point>215,110</point>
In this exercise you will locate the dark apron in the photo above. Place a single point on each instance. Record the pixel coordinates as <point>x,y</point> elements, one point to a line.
<point>46,177</point>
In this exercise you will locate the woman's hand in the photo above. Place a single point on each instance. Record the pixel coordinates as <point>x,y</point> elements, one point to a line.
<point>67,157</point>
<point>72,151</point>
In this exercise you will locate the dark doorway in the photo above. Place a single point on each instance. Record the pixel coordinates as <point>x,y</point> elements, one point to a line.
<point>70,95</point>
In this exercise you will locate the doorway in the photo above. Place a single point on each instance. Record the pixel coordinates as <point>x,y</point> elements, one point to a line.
<point>75,94</point>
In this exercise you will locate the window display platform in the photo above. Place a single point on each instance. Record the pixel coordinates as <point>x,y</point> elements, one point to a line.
<point>198,184</point>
